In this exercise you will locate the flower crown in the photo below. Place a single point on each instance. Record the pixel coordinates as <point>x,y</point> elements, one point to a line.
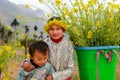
<point>55,22</point>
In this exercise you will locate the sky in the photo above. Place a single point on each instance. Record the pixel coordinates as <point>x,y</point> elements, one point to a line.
<point>37,4</point>
<point>34,4</point>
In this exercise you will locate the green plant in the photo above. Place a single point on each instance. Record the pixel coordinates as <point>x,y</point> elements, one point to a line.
<point>6,53</point>
<point>90,23</point>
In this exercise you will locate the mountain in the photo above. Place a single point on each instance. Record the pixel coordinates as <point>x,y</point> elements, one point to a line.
<point>9,11</point>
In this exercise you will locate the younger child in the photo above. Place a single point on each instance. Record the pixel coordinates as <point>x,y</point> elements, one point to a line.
<point>38,51</point>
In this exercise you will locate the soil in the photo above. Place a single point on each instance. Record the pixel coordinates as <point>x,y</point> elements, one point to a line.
<point>17,65</point>
<point>14,71</point>
<point>118,69</point>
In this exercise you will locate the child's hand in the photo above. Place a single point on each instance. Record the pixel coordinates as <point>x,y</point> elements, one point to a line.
<point>27,66</point>
<point>49,77</point>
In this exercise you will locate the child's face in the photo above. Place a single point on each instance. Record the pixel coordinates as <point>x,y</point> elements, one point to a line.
<point>39,59</point>
<point>55,32</point>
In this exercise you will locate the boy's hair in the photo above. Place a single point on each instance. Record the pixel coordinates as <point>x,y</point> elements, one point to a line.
<point>40,46</point>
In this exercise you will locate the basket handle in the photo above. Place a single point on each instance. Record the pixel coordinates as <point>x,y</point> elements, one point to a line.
<point>116,54</point>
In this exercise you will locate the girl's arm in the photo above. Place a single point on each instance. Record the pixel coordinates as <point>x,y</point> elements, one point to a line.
<point>27,66</point>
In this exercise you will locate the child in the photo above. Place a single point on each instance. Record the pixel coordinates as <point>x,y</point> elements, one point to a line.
<point>61,50</point>
<point>38,57</point>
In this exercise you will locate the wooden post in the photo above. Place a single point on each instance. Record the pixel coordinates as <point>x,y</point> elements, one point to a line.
<point>26,40</point>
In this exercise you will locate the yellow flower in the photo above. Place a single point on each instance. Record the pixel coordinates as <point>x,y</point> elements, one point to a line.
<point>33,79</point>
<point>76,3</point>
<point>23,35</point>
<point>1,66</point>
<point>36,33</point>
<point>40,1</point>
<point>24,21</point>
<point>75,9</point>
<point>65,10</point>
<point>27,6</point>
<point>58,2</point>
<point>19,17</point>
<point>98,24</point>
<point>8,28</point>
<point>55,22</point>
<point>95,1</point>
<point>6,78</point>
<point>92,2</point>
<point>48,15</point>
<point>98,30</point>
<point>0,51</point>
<point>35,20</point>
<point>22,47</point>
<point>18,43</point>
<point>110,20</point>
<point>13,66</point>
<point>28,55</point>
<point>89,34</point>
<point>14,51</point>
<point>7,48</point>
<point>76,30</point>
<point>100,7</point>
<point>84,7</point>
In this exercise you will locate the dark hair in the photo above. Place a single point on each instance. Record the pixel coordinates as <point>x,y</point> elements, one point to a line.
<point>40,46</point>
<point>54,17</point>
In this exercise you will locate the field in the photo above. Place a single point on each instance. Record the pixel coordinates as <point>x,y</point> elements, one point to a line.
<point>15,65</point>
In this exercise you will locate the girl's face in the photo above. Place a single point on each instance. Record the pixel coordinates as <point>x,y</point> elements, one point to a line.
<point>39,59</point>
<point>55,32</point>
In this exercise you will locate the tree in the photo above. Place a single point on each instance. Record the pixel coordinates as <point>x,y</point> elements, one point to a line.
<point>41,35</point>
<point>35,28</point>
<point>5,34</point>
<point>35,35</point>
<point>15,23</point>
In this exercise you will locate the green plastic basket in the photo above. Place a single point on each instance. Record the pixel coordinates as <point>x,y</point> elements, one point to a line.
<point>89,69</point>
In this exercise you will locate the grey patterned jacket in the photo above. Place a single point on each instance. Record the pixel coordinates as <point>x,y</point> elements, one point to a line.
<point>37,73</point>
<point>61,58</point>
